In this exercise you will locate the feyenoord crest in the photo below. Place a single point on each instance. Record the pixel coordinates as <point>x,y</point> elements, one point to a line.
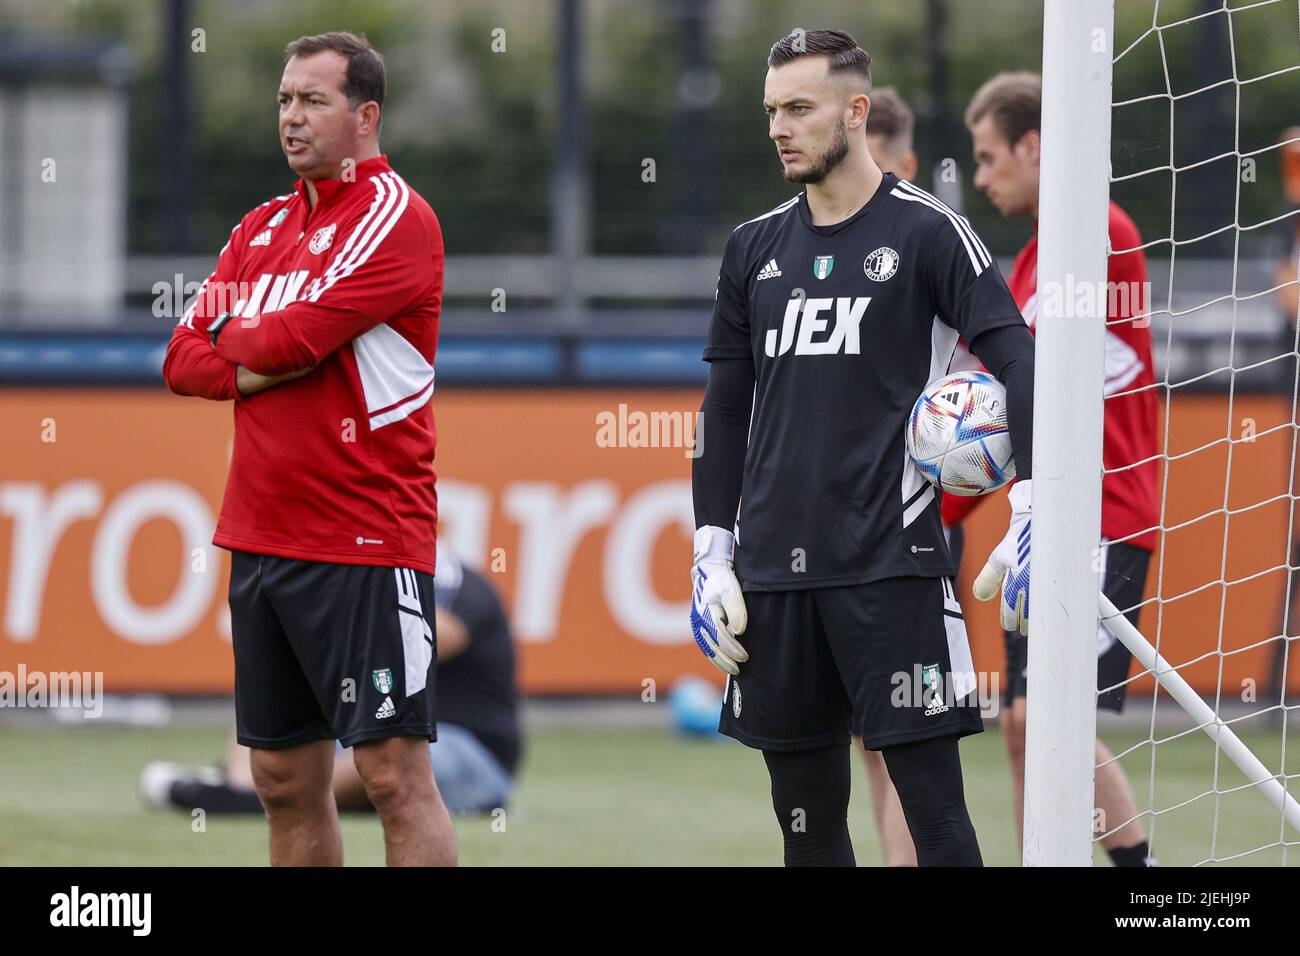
<point>933,696</point>
<point>278,218</point>
<point>735,698</point>
<point>930,676</point>
<point>881,264</point>
<point>383,680</point>
<point>822,266</point>
<point>322,239</point>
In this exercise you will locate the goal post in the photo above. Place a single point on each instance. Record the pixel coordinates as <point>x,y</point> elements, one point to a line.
<point>1216,297</point>
<point>1074,190</point>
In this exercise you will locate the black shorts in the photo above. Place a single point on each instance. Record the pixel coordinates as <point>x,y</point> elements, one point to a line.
<point>330,651</point>
<point>888,661</point>
<point>1123,579</point>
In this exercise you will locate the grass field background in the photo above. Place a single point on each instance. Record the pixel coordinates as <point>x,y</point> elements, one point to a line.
<point>593,796</point>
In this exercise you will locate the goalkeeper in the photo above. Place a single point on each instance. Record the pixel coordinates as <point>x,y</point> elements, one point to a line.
<point>834,310</point>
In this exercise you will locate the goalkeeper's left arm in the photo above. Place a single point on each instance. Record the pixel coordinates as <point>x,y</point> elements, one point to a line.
<point>1008,352</point>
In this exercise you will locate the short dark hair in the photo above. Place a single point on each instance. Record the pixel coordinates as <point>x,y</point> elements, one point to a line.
<point>837,46</point>
<point>1014,100</point>
<point>891,119</point>
<point>365,79</point>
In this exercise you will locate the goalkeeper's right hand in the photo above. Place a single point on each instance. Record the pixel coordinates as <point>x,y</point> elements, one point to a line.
<point>717,604</point>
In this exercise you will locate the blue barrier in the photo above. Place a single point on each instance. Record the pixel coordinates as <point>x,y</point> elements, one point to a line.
<point>675,361</point>
<point>135,358</point>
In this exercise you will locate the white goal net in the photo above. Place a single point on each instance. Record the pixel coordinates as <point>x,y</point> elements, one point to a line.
<point>1221,580</point>
<point>1205,102</point>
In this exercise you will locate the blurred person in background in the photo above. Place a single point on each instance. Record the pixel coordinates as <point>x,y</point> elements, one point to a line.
<point>1288,305</point>
<point>1288,296</point>
<point>1004,122</point>
<point>320,323</point>
<point>890,124</point>
<point>477,754</point>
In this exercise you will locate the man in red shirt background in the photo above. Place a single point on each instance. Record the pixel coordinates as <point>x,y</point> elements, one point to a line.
<point>1004,120</point>
<point>320,321</point>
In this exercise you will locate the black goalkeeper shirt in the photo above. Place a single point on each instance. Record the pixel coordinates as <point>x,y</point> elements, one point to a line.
<point>846,325</point>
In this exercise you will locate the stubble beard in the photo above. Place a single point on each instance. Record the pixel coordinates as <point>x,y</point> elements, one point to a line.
<point>825,165</point>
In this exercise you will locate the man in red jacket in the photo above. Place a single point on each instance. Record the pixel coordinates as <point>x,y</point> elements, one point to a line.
<point>320,321</point>
<point>1004,120</point>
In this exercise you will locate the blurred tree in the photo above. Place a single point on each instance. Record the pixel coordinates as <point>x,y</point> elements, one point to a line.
<point>472,125</point>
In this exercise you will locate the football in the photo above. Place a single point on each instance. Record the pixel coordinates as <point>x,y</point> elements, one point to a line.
<point>957,434</point>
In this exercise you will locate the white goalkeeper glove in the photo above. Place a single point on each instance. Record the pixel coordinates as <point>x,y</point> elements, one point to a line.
<point>1007,570</point>
<point>717,604</point>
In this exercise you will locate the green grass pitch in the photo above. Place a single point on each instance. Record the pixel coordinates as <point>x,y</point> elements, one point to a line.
<point>596,797</point>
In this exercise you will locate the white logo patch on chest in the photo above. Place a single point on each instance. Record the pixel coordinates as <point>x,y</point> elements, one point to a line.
<point>322,239</point>
<point>881,264</point>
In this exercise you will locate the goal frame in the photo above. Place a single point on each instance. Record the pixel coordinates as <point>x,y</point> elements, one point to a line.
<point>1065,603</point>
<point>1074,192</point>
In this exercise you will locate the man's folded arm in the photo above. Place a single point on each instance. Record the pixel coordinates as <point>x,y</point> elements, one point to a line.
<point>296,337</point>
<point>358,291</point>
<point>192,368</point>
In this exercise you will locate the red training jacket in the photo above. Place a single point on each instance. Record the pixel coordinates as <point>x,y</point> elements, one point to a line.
<point>1129,502</point>
<point>335,466</point>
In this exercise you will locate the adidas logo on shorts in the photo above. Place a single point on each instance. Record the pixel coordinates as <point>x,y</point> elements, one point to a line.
<point>386,709</point>
<point>769,271</point>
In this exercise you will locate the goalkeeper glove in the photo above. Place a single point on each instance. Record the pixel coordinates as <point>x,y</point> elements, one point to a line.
<point>717,605</point>
<point>1007,570</point>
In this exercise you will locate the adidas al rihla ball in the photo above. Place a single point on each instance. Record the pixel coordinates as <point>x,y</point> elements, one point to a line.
<point>957,434</point>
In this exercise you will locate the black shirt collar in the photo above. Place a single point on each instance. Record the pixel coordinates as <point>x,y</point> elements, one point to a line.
<point>883,189</point>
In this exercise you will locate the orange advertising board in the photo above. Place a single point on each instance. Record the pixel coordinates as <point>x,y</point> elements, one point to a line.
<point>575,503</point>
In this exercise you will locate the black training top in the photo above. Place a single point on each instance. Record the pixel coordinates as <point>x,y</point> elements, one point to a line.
<point>846,325</point>
<point>476,688</point>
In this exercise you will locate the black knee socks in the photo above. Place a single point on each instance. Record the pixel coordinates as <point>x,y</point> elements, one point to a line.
<point>927,776</point>
<point>810,794</point>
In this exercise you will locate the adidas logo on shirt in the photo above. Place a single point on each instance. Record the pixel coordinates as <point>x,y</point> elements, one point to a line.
<point>261,239</point>
<point>386,709</point>
<point>769,271</point>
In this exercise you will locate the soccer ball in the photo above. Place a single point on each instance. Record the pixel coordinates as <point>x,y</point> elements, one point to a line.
<point>957,434</point>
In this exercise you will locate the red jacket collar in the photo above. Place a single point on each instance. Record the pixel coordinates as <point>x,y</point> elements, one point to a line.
<point>331,191</point>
